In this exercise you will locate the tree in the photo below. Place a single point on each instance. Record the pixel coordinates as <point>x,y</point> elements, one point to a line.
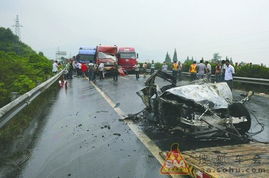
<point>167,58</point>
<point>188,60</point>
<point>175,55</point>
<point>216,58</point>
<point>41,53</point>
<point>21,68</point>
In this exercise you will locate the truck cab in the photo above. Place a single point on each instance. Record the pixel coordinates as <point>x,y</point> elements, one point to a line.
<point>86,55</point>
<point>106,55</point>
<point>127,58</point>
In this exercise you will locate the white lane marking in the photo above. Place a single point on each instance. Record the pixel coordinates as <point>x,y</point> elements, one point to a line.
<point>149,144</point>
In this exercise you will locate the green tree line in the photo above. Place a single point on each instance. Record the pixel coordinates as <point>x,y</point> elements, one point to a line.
<point>21,68</point>
<point>242,70</point>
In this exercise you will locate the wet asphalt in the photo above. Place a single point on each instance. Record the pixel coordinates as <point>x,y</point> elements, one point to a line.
<point>84,138</point>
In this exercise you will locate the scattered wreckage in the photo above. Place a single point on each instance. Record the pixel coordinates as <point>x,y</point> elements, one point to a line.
<point>200,109</point>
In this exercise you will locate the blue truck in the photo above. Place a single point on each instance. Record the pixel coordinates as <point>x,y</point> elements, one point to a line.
<point>86,55</point>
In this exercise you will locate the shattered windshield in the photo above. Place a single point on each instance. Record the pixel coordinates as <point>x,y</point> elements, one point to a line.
<point>102,55</point>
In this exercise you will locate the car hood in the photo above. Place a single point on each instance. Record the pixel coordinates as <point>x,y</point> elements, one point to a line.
<point>213,95</point>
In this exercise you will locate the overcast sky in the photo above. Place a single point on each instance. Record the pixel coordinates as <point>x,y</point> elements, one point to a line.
<point>198,28</point>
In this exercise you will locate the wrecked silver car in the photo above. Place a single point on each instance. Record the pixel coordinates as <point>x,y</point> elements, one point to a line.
<point>200,109</point>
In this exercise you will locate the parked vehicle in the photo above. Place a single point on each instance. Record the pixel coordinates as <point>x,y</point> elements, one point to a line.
<point>127,58</point>
<point>86,55</point>
<point>106,55</point>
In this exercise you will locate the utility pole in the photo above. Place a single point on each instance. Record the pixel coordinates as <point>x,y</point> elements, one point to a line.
<point>17,27</point>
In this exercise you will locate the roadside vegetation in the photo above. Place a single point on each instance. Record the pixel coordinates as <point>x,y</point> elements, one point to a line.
<point>21,68</point>
<point>241,69</point>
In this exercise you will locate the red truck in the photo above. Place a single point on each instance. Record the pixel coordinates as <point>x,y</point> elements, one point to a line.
<point>106,55</point>
<point>127,58</point>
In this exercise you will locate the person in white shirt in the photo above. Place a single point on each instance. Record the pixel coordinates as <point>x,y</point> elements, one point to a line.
<point>208,71</point>
<point>137,66</point>
<point>101,71</point>
<point>164,67</point>
<point>78,69</point>
<point>55,67</point>
<point>229,71</point>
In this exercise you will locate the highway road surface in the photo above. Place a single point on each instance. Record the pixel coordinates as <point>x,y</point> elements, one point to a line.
<point>83,135</point>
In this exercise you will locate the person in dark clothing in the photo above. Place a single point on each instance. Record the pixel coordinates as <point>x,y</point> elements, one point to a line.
<point>137,71</point>
<point>115,71</point>
<point>223,67</point>
<point>70,70</point>
<point>91,72</point>
<point>152,67</point>
<point>95,72</point>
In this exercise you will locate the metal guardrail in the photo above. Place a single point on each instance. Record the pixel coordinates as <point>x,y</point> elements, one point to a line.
<point>256,81</point>
<point>8,111</point>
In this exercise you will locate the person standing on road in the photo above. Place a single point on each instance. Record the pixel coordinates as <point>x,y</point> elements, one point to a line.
<point>115,71</point>
<point>193,70</point>
<point>152,67</point>
<point>74,65</point>
<point>229,71</point>
<point>55,67</point>
<point>208,71</point>
<point>95,72</point>
<point>91,72</point>
<point>218,73</point>
<point>70,70</point>
<point>78,68</point>
<point>175,70</point>
<point>145,66</point>
<point>201,70</point>
<point>101,71</point>
<point>164,67</point>
<point>223,67</point>
<point>179,70</point>
<point>137,71</point>
<point>84,70</point>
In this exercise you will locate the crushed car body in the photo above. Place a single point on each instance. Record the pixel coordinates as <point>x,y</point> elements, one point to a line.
<point>199,109</point>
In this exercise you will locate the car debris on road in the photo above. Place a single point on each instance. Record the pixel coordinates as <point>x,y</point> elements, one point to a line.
<point>200,109</point>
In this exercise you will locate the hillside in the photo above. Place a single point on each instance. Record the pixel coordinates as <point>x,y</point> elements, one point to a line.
<point>21,68</point>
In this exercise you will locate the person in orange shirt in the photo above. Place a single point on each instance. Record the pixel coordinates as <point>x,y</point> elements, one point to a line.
<point>193,70</point>
<point>175,70</point>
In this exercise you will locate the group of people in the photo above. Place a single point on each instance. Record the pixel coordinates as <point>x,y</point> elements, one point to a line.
<point>90,70</point>
<point>201,70</point>
<point>145,66</point>
<point>223,71</point>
